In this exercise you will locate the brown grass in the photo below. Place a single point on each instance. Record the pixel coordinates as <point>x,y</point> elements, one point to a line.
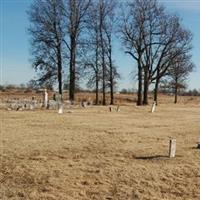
<point>94,154</point>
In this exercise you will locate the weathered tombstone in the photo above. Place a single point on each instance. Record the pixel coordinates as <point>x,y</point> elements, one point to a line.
<point>31,107</point>
<point>89,102</point>
<point>20,109</point>
<point>84,104</point>
<point>45,99</point>
<point>198,144</point>
<point>172,148</point>
<point>60,109</point>
<point>153,109</point>
<point>118,109</point>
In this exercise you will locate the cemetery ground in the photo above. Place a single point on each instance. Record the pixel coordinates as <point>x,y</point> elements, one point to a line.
<point>96,154</point>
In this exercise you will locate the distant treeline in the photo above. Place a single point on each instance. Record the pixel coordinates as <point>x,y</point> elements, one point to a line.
<point>28,88</point>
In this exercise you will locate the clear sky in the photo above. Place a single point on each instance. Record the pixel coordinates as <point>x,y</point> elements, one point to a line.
<point>14,40</point>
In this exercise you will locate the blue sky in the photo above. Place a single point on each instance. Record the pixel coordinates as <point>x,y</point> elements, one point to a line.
<point>14,40</point>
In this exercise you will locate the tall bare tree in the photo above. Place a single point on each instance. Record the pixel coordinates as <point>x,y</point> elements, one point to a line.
<point>178,73</point>
<point>91,60</point>
<point>153,38</point>
<point>47,32</point>
<point>76,11</point>
<point>100,28</point>
<point>131,34</point>
<point>177,44</point>
<point>109,29</point>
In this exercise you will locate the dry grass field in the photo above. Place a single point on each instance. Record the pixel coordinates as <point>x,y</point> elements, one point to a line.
<point>100,155</point>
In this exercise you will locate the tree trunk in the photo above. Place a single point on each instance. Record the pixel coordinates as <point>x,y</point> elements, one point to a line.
<point>156,91</point>
<point>111,77</point>
<point>176,92</point>
<point>145,94</point>
<point>97,90</point>
<point>73,35</point>
<point>104,81</point>
<point>146,88</point>
<point>59,57</point>
<point>102,54</point>
<point>72,69</point>
<point>111,92</point>
<point>97,68</point>
<point>139,93</point>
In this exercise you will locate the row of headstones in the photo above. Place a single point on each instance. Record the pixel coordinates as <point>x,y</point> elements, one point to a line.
<point>31,105</point>
<point>21,106</point>
<point>117,109</point>
<point>16,104</point>
<point>153,108</point>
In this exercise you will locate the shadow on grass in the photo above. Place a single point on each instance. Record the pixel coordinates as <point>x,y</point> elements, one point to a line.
<point>195,148</point>
<point>150,157</point>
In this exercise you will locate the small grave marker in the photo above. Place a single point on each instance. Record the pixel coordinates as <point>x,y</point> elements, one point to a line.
<point>60,110</point>
<point>153,109</point>
<point>45,99</point>
<point>172,148</point>
<point>31,107</point>
<point>84,104</point>
<point>118,109</point>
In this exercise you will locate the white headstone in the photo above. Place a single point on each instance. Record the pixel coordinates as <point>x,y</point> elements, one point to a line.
<point>45,98</point>
<point>153,109</point>
<point>31,107</point>
<point>84,104</point>
<point>60,109</point>
<point>172,148</point>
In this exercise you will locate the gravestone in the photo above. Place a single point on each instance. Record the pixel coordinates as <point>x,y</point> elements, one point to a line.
<point>45,99</point>
<point>118,108</point>
<point>172,148</point>
<point>153,109</point>
<point>84,104</point>
<point>60,109</point>
<point>31,107</point>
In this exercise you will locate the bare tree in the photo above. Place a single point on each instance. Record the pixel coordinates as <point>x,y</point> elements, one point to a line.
<point>131,35</point>
<point>47,34</point>
<point>178,73</point>
<point>177,44</point>
<point>154,39</point>
<point>102,15</point>
<point>109,29</point>
<point>91,60</point>
<point>76,11</point>
<point>98,59</point>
